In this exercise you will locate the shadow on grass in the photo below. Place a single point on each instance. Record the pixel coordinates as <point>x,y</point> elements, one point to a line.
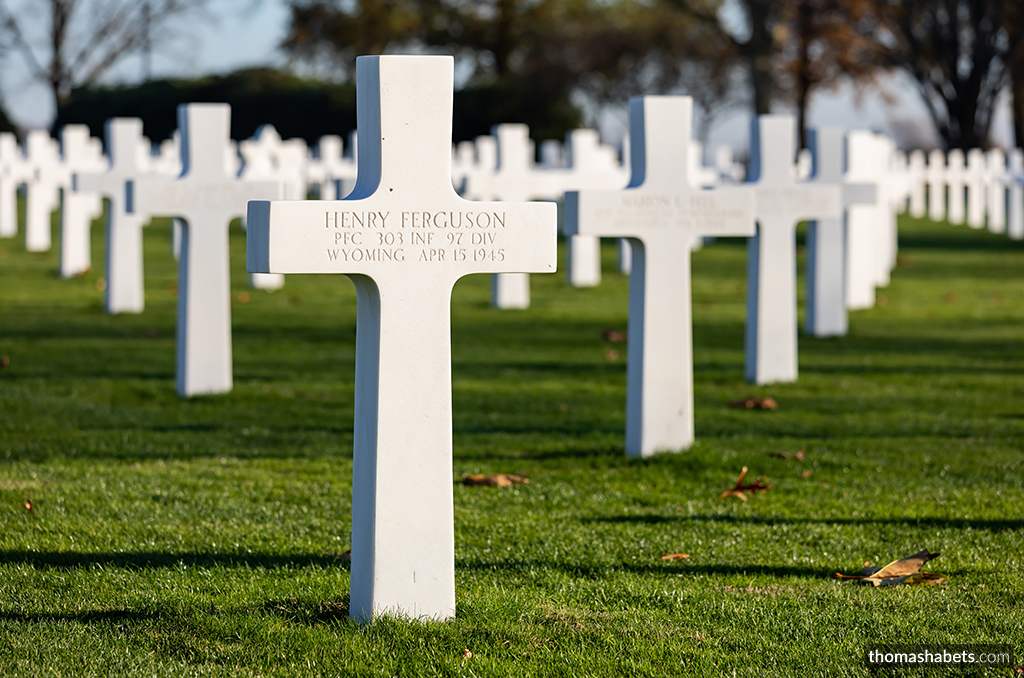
<point>72,560</point>
<point>309,613</point>
<point>84,617</point>
<point>949,523</point>
<point>595,571</point>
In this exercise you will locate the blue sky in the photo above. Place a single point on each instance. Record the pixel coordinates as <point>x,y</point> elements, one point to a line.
<point>238,33</point>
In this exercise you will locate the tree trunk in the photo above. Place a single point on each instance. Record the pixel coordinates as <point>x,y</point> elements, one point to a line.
<point>803,93</point>
<point>1017,89</point>
<point>758,52</point>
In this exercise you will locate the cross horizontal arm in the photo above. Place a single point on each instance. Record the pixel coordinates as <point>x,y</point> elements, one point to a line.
<point>376,237</point>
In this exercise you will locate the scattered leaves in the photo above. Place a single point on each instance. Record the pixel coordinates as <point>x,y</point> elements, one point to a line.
<point>799,456</point>
<point>675,556</point>
<point>740,490</point>
<point>808,473</point>
<point>755,404</point>
<point>466,654</point>
<point>243,297</point>
<point>615,336</point>
<point>496,480</point>
<point>5,362</point>
<point>28,506</point>
<point>903,571</point>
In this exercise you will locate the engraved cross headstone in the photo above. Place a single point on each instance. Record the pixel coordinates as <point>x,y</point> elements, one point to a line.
<point>865,222</point>
<point>78,208</point>
<point>405,237</point>
<point>936,179</point>
<point>662,215</point>
<point>206,198</point>
<point>41,193</point>
<point>13,171</point>
<point>125,291</point>
<point>771,325</point>
<point>826,314</point>
<point>1015,219</point>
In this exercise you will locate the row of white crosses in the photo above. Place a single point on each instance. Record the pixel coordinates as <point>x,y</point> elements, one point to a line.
<point>979,188</point>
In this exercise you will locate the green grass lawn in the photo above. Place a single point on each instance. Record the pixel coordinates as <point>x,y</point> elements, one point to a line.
<point>202,537</point>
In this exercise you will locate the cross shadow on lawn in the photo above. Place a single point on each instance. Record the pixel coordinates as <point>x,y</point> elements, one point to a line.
<point>83,617</point>
<point>929,522</point>
<point>73,560</point>
<point>656,567</point>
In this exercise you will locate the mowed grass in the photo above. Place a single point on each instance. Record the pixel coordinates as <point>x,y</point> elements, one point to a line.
<point>202,537</point>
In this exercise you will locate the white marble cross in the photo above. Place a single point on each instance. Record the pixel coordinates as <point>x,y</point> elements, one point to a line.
<point>936,178</point>
<point>956,176</point>
<point>996,177</point>
<point>866,223</point>
<point>1015,221</point>
<point>41,194</point>
<point>125,291</point>
<point>974,178</point>
<point>81,153</point>
<point>917,176</point>
<point>405,237</point>
<point>591,166</point>
<point>826,314</point>
<point>771,326</point>
<point>13,172</point>
<point>206,197</point>
<point>662,215</point>
<point>513,180</point>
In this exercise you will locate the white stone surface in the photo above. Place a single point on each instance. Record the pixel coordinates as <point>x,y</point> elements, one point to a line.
<point>826,314</point>
<point>996,178</point>
<point>661,214</point>
<point>936,179</point>
<point>41,192</point>
<point>125,291</point>
<point>866,223</point>
<point>917,179</point>
<point>80,153</point>
<point>956,178</point>
<point>1015,218</point>
<point>206,197</point>
<point>13,172</point>
<point>974,179</point>
<point>770,340</point>
<point>405,237</point>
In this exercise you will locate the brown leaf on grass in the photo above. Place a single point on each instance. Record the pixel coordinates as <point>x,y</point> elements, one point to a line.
<point>808,473</point>
<point>799,456</point>
<point>740,490</point>
<point>466,654</point>
<point>755,404</point>
<point>615,336</point>
<point>5,362</point>
<point>675,556</point>
<point>496,480</point>
<point>28,506</point>
<point>903,571</point>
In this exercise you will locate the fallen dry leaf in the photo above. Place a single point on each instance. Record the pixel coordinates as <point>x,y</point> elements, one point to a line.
<point>903,571</point>
<point>5,362</point>
<point>808,473</point>
<point>496,480</point>
<point>243,297</point>
<point>466,654</point>
<point>950,297</point>
<point>101,284</point>
<point>675,556</point>
<point>611,354</point>
<point>740,490</point>
<point>755,404</point>
<point>615,336</point>
<point>28,506</point>
<point>799,456</point>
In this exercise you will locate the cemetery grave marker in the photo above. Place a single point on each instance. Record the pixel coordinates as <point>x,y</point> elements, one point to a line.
<point>206,197</point>
<point>405,237</point>
<point>1015,222</point>
<point>956,176</point>
<point>866,222</point>
<point>771,325</point>
<point>826,314</point>
<point>936,185</point>
<point>13,171</point>
<point>996,178</point>
<point>78,208</point>
<point>661,214</point>
<point>41,189</point>
<point>917,177</point>
<point>125,291</point>
<point>974,178</point>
